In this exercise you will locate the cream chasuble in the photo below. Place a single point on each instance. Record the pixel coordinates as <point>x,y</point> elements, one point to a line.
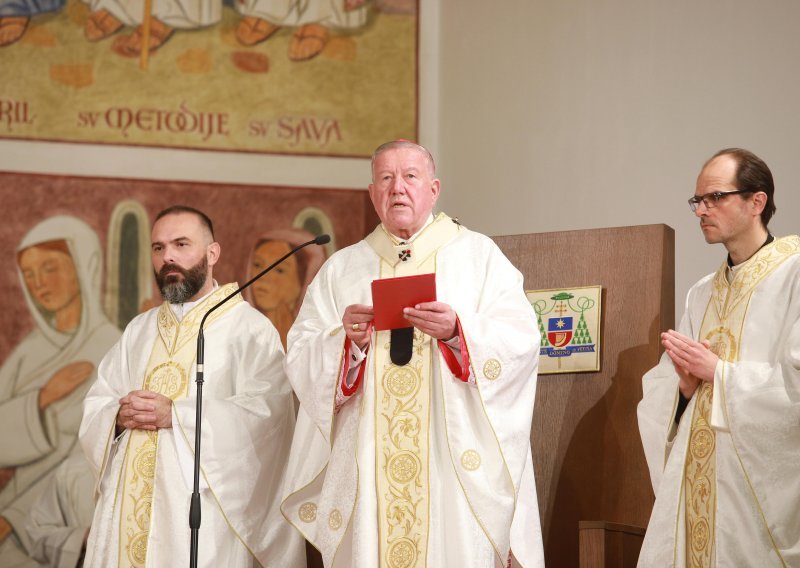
<point>145,480</point>
<point>722,328</point>
<point>171,359</point>
<point>721,483</point>
<point>417,468</point>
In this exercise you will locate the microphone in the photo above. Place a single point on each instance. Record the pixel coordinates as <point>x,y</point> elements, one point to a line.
<point>194,509</point>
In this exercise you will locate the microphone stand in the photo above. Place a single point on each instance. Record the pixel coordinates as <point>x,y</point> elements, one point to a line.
<point>194,509</point>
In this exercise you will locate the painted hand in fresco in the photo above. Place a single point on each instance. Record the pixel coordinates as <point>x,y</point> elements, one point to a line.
<point>437,319</point>
<point>6,475</point>
<point>144,410</point>
<point>5,529</point>
<point>64,381</point>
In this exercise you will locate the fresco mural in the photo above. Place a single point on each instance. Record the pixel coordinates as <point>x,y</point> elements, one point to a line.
<point>307,77</point>
<point>77,269</point>
<point>279,293</point>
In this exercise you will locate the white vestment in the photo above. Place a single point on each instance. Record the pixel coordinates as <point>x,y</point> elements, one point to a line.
<point>247,427</point>
<point>188,14</point>
<point>755,417</point>
<point>182,14</point>
<point>478,499</point>
<point>328,13</point>
<point>60,517</point>
<point>36,442</point>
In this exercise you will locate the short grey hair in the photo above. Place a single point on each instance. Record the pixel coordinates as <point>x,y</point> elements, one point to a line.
<point>395,144</point>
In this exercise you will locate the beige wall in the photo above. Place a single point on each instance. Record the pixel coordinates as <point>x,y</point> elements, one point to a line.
<point>568,114</point>
<point>557,115</point>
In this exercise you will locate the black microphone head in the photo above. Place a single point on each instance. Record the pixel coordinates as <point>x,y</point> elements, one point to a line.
<point>322,240</point>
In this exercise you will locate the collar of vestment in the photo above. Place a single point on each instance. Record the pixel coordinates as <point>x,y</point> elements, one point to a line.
<point>749,273</point>
<point>767,241</point>
<point>395,251</point>
<point>176,333</point>
<point>185,307</point>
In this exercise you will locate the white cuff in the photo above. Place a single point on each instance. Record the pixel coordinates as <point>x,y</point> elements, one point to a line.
<point>355,357</point>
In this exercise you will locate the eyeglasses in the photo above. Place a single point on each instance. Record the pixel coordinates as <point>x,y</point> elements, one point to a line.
<point>710,200</point>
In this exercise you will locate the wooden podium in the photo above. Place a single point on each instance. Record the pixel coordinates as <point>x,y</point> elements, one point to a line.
<point>609,544</point>
<point>587,453</point>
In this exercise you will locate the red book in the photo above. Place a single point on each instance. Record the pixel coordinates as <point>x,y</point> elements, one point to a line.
<point>391,295</point>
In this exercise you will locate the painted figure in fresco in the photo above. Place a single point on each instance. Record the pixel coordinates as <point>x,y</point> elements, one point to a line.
<point>16,14</point>
<point>44,380</point>
<point>58,524</point>
<point>279,293</point>
<point>312,20</point>
<point>110,16</point>
<point>261,19</point>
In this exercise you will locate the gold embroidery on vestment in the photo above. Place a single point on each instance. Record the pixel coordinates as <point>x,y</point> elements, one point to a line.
<point>403,553</point>
<point>308,512</point>
<point>335,520</point>
<point>167,373</point>
<point>722,328</point>
<point>403,409</point>
<point>471,460</point>
<point>492,369</point>
<point>700,483</point>
<point>402,412</point>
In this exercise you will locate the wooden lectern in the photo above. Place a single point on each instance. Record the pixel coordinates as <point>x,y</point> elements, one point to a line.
<point>587,453</point>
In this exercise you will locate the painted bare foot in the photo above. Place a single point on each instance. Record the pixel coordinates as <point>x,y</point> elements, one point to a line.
<point>12,28</point>
<point>308,41</point>
<point>100,25</point>
<point>252,30</point>
<point>131,45</point>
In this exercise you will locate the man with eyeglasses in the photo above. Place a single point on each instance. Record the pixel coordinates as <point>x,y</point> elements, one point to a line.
<point>720,417</point>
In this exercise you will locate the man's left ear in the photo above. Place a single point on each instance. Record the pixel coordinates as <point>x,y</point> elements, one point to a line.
<point>759,201</point>
<point>212,253</point>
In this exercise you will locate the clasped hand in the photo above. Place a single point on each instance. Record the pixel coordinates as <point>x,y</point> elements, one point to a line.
<point>144,410</point>
<point>693,360</point>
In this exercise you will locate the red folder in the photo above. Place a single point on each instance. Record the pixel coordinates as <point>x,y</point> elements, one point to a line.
<point>391,295</point>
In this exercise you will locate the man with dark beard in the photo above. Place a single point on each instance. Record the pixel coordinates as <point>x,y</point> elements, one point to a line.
<point>139,421</point>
